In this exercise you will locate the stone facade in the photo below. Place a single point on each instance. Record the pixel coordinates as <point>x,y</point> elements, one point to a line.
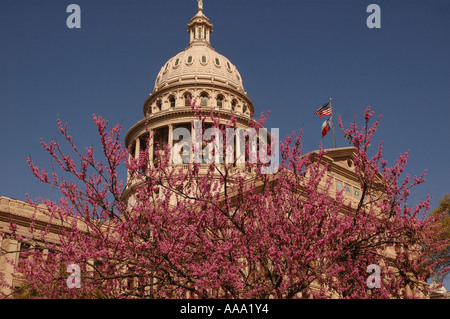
<point>22,215</point>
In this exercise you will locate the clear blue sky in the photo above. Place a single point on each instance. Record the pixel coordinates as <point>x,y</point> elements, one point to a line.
<point>293,56</point>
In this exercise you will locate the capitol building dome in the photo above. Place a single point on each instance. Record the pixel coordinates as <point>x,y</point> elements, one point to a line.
<point>208,77</point>
<point>199,61</point>
<point>202,64</point>
<point>199,75</point>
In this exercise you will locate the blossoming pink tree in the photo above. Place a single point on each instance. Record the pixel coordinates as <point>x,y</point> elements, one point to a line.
<point>228,231</point>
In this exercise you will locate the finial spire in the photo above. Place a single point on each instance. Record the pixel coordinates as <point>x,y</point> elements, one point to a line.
<point>200,28</point>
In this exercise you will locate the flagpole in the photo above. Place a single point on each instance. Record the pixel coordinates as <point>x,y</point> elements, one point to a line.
<point>332,122</point>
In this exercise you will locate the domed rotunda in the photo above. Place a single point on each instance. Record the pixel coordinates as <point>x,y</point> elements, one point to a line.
<point>199,74</point>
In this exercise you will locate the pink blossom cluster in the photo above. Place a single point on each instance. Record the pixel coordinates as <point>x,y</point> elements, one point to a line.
<point>227,231</point>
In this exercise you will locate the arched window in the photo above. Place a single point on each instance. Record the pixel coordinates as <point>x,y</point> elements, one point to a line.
<point>219,101</point>
<point>233,105</point>
<point>204,99</point>
<point>187,99</point>
<point>172,101</point>
<point>158,105</point>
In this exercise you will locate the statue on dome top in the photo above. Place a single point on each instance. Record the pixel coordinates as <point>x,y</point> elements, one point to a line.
<point>200,4</point>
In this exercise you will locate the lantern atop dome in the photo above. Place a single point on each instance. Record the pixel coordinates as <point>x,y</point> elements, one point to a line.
<point>200,28</point>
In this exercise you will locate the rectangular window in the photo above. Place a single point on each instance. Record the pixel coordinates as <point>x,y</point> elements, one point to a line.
<point>24,250</point>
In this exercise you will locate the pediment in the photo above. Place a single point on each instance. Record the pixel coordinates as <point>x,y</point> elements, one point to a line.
<point>342,157</point>
<point>340,161</point>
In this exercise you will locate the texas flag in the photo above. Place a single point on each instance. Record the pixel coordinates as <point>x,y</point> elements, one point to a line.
<point>326,126</point>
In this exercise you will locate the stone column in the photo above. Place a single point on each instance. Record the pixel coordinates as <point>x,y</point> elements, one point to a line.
<point>128,172</point>
<point>196,150</point>
<point>150,148</point>
<point>137,148</point>
<point>10,245</point>
<point>170,142</point>
<point>237,146</point>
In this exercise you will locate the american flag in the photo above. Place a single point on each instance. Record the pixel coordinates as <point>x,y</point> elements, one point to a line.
<point>324,110</point>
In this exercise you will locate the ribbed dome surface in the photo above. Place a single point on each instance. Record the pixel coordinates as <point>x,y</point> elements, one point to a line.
<point>199,61</point>
<point>202,63</point>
